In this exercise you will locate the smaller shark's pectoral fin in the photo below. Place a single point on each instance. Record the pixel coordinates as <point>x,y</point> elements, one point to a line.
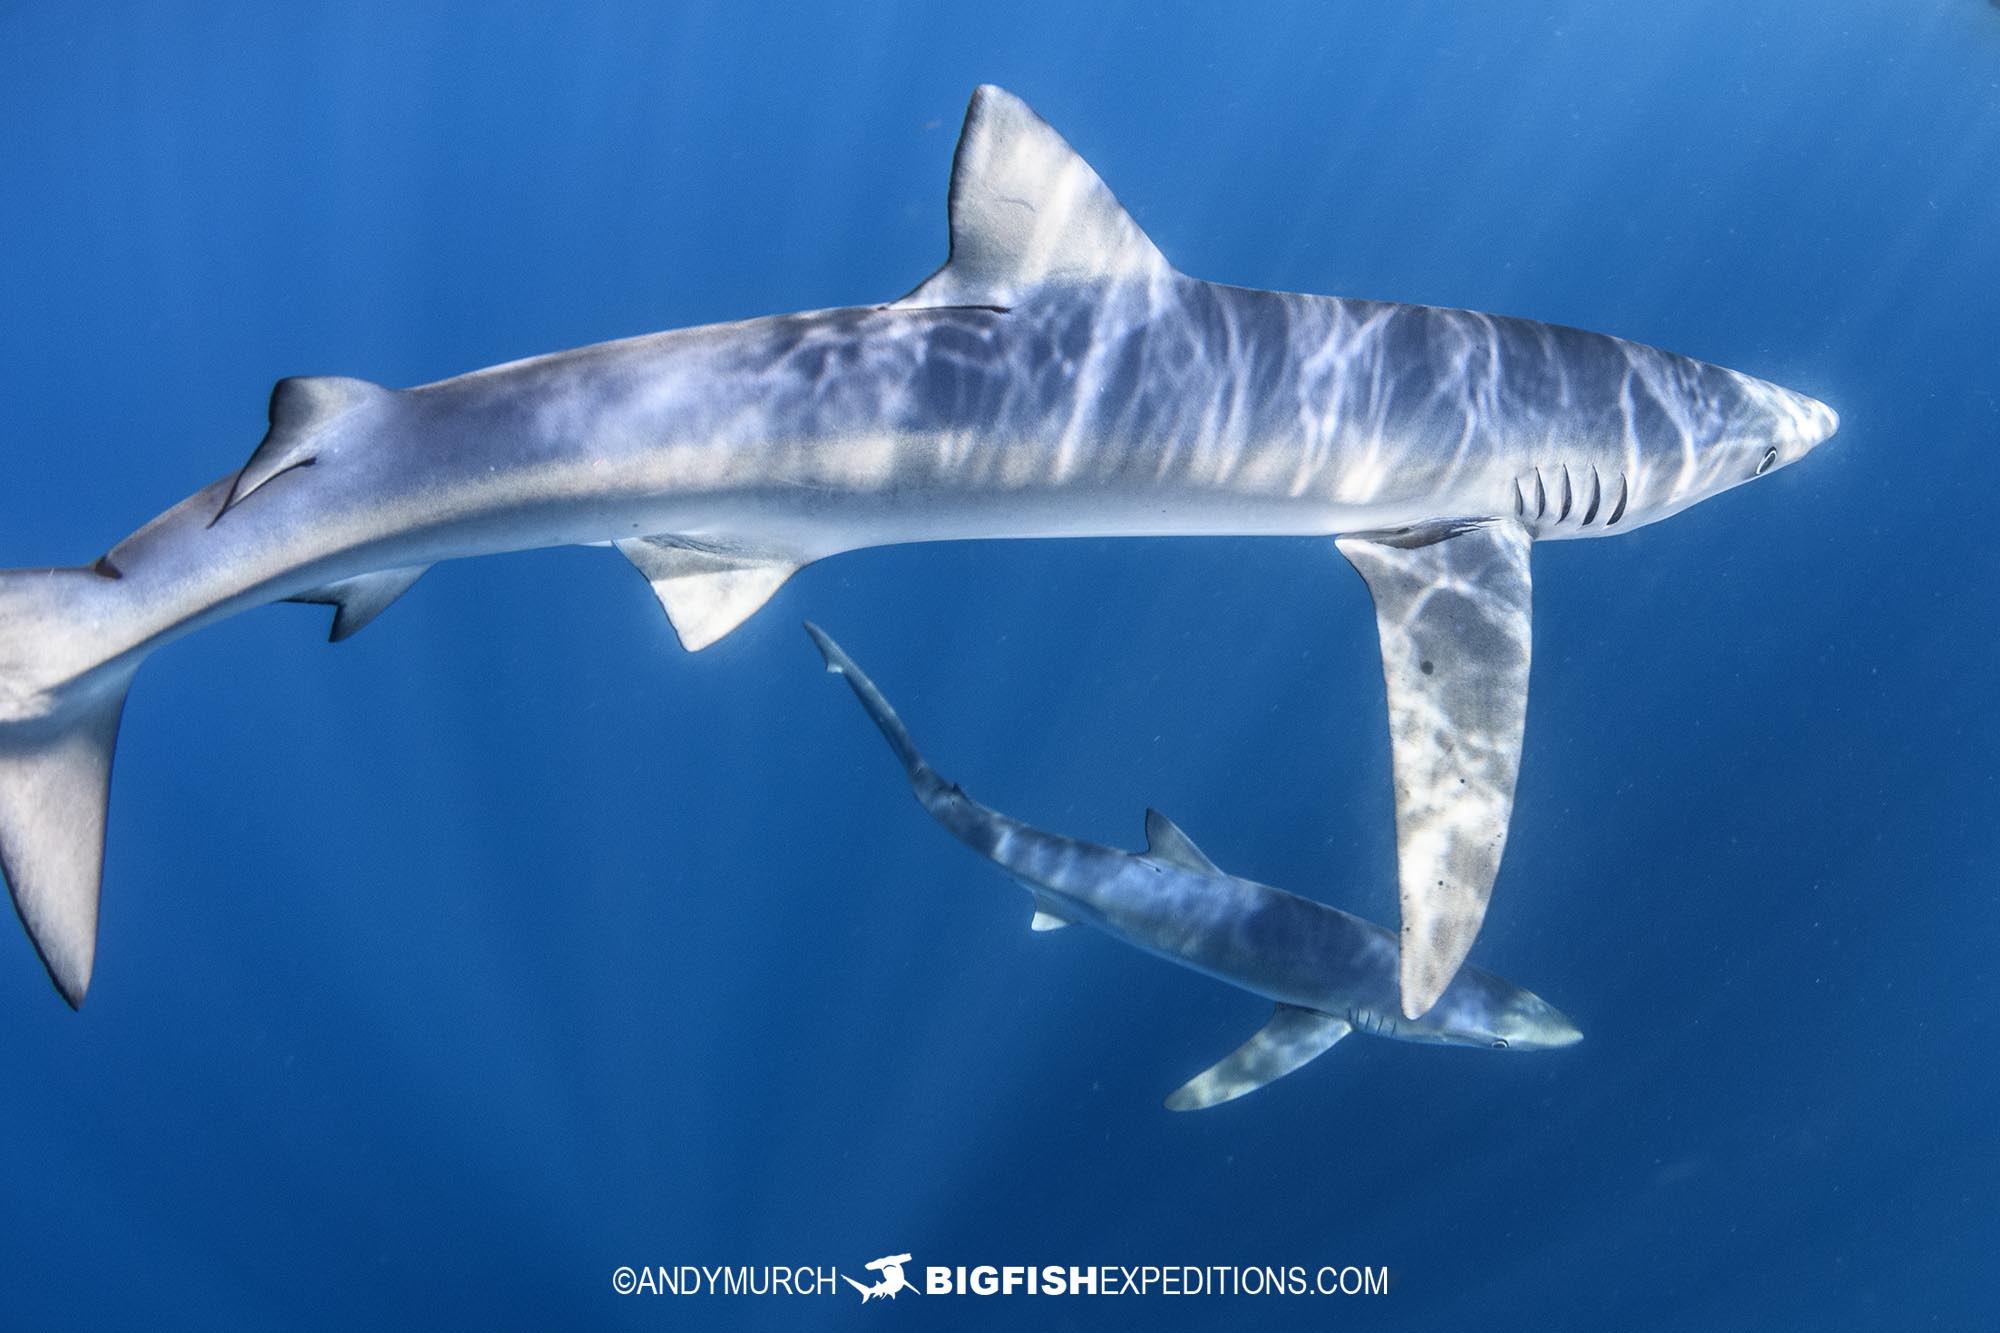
<point>1452,605</point>
<point>1049,912</point>
<point>1167,844</point>
<point>358,600</point>
<point>1292,1038</point>
<point>707,590</point>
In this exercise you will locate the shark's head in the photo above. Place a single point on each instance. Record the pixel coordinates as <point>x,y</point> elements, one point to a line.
<point>1527,1022</point>
<point>1728,428</point>
<point>1763,427</point>
<point>1480,1009</point>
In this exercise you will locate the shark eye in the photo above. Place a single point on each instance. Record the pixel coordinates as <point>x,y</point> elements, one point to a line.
<point>1770,457</point>
<point>1499,1043</point>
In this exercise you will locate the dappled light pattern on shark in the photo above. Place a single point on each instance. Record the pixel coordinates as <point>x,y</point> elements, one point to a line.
<point>1451,607</point>
<point>1055,377</point>
<point>1293,1037</point>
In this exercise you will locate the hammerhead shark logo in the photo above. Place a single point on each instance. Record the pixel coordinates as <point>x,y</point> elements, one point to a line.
<point>890,1266</point>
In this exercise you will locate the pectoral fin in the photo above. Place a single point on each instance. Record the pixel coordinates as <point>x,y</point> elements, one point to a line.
<point>1049,913</point>
<point>1453,607</point>
<point>1292,1038</point>
<point>707,590</point>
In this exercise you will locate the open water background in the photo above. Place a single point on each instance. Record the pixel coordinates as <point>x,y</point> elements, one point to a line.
<point>443,972</point>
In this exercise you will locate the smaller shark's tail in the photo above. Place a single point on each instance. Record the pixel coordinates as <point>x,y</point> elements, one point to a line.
<point>60,701</point>
<point>923,778</point>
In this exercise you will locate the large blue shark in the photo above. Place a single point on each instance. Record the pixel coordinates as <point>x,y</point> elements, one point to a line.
<point>1056,377</point>
<point>1328,973</point>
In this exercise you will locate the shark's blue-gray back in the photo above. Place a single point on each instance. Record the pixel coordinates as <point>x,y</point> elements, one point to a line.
<point>1056,376</point>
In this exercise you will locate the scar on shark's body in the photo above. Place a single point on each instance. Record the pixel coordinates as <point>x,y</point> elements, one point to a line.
<point>1056,377</point>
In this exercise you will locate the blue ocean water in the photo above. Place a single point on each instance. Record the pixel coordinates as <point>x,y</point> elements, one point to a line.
<point>446,971</point>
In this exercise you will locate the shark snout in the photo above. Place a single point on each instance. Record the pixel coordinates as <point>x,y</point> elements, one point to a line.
<point>1538,1025</point>
<point>1818,424</point>
<point>1806,424</point>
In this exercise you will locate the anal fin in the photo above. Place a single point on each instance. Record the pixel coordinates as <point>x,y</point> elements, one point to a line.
<point>1294,1037</point>
<point>707,590</point>
<point>1453,606</point>
<point>358,600</point>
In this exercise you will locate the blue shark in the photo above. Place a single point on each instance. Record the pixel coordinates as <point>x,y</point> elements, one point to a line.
<point>1055,377</point>
<point>1327,973</point>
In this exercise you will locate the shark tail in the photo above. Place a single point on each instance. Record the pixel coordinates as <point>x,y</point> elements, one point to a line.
<point>61,697</point>
<point>924,779</point>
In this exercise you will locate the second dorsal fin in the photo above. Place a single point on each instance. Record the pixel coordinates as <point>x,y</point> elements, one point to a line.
<point>1026,210</point>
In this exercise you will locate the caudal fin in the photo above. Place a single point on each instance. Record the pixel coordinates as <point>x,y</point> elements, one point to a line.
<point>923,778</point>
<point>57,731</point>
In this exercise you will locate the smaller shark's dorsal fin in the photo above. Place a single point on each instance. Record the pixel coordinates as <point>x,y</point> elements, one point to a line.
<point>1026,210</point>
<point>358,600</point>
<point>707,590</point>
<point>1165,842</point>
<point>1293,1037</point>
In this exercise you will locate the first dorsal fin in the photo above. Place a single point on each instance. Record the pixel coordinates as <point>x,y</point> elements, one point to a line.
<point>1165,842</point>
<point>1026,211</point>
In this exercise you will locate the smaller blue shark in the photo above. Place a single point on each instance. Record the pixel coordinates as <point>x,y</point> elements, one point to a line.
<point>1329,973</point>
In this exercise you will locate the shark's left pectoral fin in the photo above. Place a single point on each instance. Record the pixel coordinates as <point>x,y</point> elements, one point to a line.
<point>358,600</point>
<point>1453,607</point>
<point>1292,1038</point>
<point>707,590</point>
